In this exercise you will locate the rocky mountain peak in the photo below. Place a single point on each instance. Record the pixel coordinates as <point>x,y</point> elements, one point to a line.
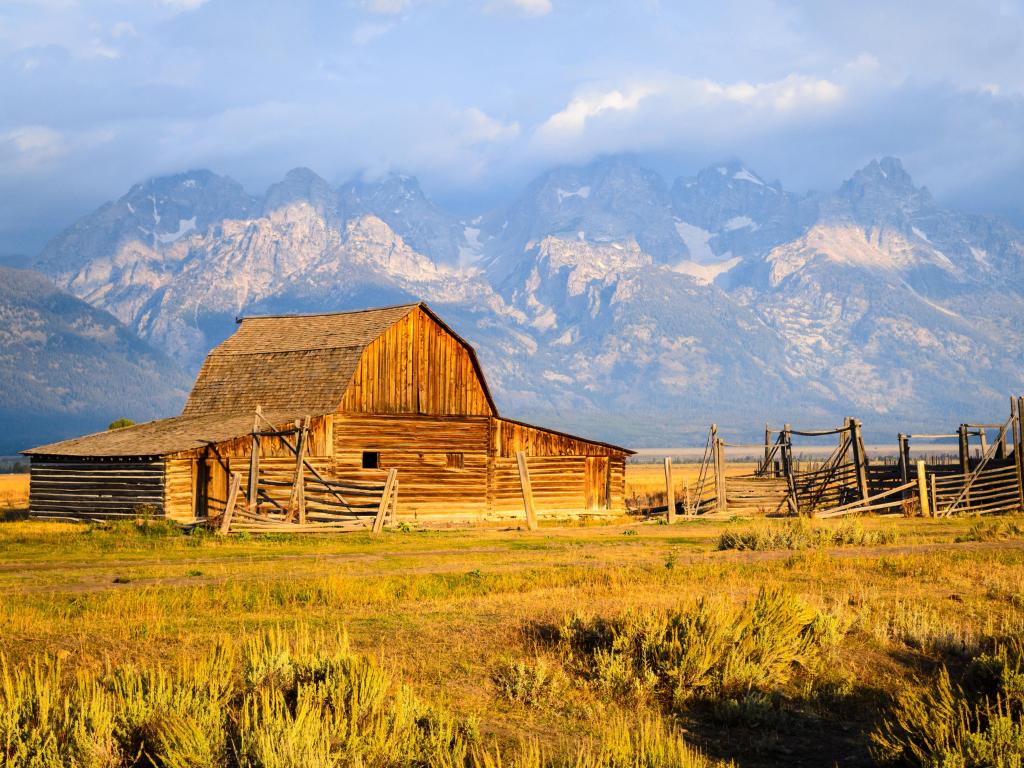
<point>302,185</point>
<point>882,192</point>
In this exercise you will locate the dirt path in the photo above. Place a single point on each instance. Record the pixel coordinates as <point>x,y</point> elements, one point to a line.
<point>102,572</point>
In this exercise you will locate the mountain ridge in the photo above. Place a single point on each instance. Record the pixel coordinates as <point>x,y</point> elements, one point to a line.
<point>603,289</point>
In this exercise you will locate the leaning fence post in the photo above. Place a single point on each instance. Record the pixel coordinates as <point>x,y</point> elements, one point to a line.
<point>524,481</point>
<point>922,489</point>
<point>670,490</point>
<point>229,507</point>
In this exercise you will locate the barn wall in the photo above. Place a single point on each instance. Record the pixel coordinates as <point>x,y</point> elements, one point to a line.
<point>567,474</point>
<point>416,367</point>
<point>511,436</point>
<point>86,487</point>
<point>179,488</point>
<point>198,480</point>
<point>418,447</point>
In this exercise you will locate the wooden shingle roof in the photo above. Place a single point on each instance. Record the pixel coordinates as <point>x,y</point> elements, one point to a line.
<point>162,437</point>
<point>299,363</point>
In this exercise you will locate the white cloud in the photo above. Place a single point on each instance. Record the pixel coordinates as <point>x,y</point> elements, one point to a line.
<point>31,147</point>
<point>387,7</point>
<point>367,33</point>
<point>525,7</point>
<point>572,120</point>
<point>180,6</point>
<point>482,128</point>
<point>792,92</point>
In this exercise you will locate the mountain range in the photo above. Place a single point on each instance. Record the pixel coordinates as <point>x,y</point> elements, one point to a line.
<point>604,299</point>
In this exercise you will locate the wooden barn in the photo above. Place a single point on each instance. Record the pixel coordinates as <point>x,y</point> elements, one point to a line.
<point>364,393</point>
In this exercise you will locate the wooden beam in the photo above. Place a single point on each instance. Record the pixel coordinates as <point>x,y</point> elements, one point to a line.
<point>254,462</point>
<point>787,468</point>
<point>297,498</point>
<point>922,489</point>
<point>670,490</point>
<point>229,508</point>
<point>904,457</point>
<point>524,481</point>
<point>860,460</point>
<point>385,500</point>
<point>767,448</point>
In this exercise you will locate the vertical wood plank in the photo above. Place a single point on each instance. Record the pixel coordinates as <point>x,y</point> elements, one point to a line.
<point>385,501</point>
<point>229,509</point>
<point>254,462</point>
<point>922,489</point>
<point>670,490</point>
<point>524,481</point>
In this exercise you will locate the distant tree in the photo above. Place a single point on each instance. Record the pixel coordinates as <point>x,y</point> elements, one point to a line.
<point>121,423</point>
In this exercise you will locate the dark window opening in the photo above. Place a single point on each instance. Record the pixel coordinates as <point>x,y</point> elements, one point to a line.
<point>456,461</point>
<point>371,459</point>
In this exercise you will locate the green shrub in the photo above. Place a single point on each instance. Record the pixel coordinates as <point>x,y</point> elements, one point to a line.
<point>535,683</point>
<point>707,652</point>
<point>974,724</point>
<point>804,534</point>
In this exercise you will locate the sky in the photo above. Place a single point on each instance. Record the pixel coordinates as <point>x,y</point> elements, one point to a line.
<point>476,96</point>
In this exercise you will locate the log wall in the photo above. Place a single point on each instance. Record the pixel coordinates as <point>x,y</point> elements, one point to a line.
<point>419,447</point>
<point>96,488</point>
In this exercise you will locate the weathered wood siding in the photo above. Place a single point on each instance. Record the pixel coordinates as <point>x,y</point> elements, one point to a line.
<point>418,447</point>
<point>179,488</point>
<point>198,480</point>
<point>511,436</point>
<point>569,475</point>
<point>96,487</point>
<point>416,367</point>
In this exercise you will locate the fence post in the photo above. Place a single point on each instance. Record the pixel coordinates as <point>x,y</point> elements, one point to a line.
<point>524,480</point>
<point>922,489</point>
<point>965,458</point>
<point>787,467</point>
<point>965,450</point>
<point>670,490</point>
<point>904,463</point>
<point>767,448</point>
<point>860,460</point>
<point>254,463</point>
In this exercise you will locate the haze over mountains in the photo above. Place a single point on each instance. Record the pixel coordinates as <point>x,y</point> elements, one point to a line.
<point>604,299</point>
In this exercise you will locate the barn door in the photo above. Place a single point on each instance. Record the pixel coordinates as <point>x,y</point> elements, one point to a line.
<point>211,487</point>
<point>596,482</point>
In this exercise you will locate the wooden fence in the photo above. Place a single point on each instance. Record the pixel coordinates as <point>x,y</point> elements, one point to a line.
<point>846,482</point>
<point>303,500</point>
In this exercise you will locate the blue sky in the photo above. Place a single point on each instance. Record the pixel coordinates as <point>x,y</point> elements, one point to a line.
<point>475,96</point>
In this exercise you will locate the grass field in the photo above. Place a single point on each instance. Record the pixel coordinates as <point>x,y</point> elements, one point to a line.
<point>13,491</point>
<point>620,645</point>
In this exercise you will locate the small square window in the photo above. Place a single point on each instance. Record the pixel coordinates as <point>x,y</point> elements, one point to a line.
<point>371,459</point>
<point>456,461</point>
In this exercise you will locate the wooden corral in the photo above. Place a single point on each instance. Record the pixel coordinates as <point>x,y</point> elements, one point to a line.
<point>335,404</point>
<point>988,479</point>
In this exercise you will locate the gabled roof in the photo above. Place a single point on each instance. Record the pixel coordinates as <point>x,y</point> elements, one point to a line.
<point>162,437</point>
<point>298,363</point>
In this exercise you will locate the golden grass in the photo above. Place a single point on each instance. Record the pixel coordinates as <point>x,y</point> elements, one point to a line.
<point>642,478</point>
<point>463,616</point>
<point>13,491</point>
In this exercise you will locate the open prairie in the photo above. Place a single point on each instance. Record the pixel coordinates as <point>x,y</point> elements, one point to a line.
<point>13,491</point>
<point>757,642</point>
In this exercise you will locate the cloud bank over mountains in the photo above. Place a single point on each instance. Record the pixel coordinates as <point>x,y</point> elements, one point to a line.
<point>484,94</point>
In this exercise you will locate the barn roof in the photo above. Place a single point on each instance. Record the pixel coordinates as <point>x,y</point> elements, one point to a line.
<point>299,363</point>
<point>161,437</point>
